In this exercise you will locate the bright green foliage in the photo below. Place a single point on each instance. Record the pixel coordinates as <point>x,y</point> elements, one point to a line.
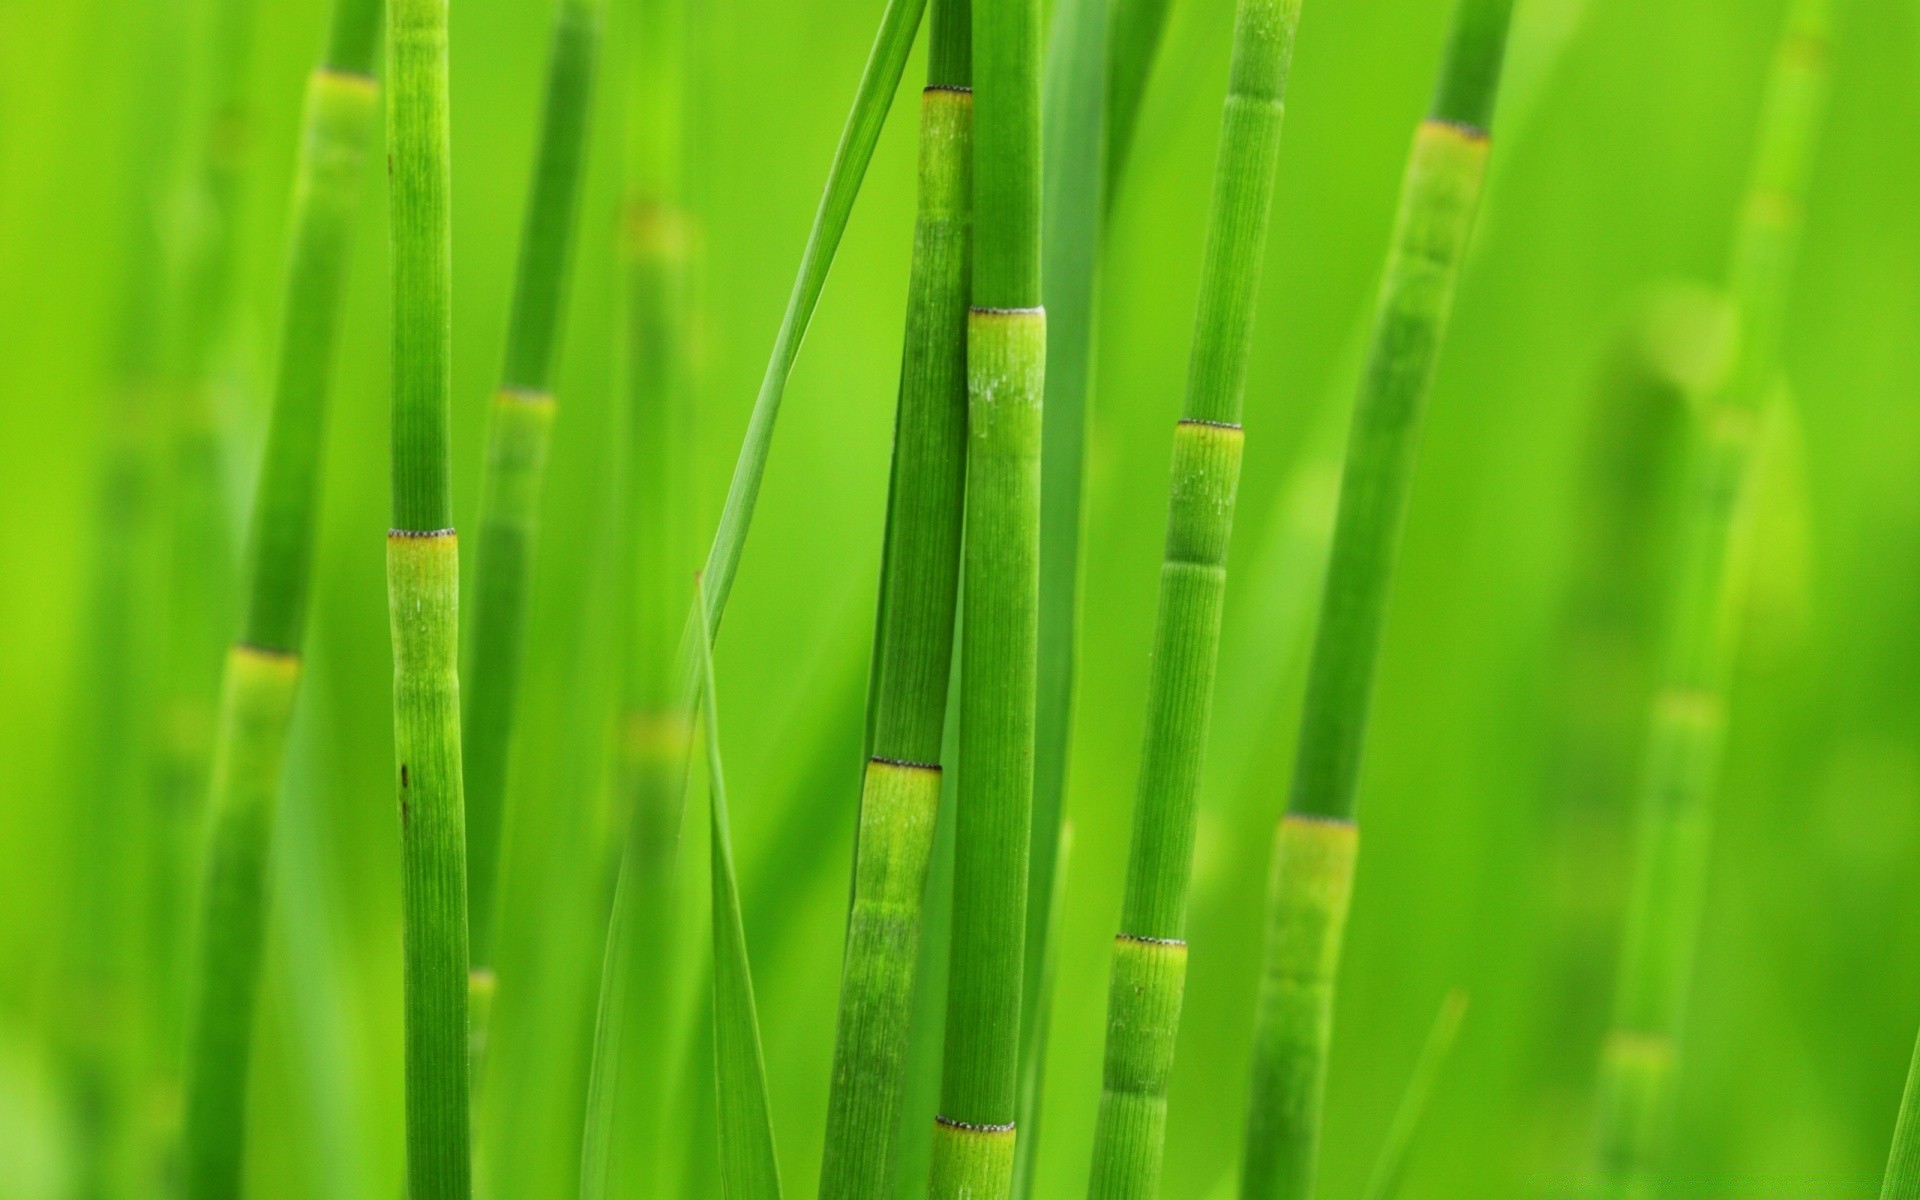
<point>1293,1021</point>
<point>1680,775</point>
<point>423,581</point>
<point>516,459</point>
<point>263,670</point>
<point>900,796</point>
<point>1902,1180</point>
<point>1149,968</point>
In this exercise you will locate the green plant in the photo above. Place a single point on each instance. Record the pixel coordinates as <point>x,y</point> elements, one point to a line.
<point>423,578</point>
<point>1150,953</point>
<point>1006,371</point>
<point>1902,1178</point>
<point>913,645</point>
<point>516,459</point>
<point>263,669</point>
<point>1314,852</point>
<point>1703,601</point>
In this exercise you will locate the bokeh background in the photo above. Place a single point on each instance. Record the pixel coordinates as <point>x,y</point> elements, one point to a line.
<point>1621,157</point>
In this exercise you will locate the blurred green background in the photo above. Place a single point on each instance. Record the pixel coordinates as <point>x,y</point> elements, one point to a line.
<point>1622,154</point>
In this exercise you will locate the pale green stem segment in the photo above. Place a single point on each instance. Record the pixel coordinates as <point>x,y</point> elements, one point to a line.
<point>900,796</point>
<point>516,458</point>
<point>1438,200</point>
<point>1310,893</point>
<point>423,577</point>
<point>1902,1180</point>
<point>878,83</point>
<point>749,1167</point>
<point>253,726</point>
<point>1681,769</point>
<point>973,1143</point>
<point>1148,976</point>
<point>423,585</point>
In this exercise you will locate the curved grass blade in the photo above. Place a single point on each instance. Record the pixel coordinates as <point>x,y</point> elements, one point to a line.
<point>1902,1180</point>
<point>1390,1168</point>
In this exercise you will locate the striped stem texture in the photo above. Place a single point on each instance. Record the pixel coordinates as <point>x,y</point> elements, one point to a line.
<point>1150,956</point>
<point>900,794</point>
<point>1313,860</point>
<point>1680,771</point>
<point>516,458</point>
<point>263,669</point>
<point>1006,377</point>
<point>423,578</point>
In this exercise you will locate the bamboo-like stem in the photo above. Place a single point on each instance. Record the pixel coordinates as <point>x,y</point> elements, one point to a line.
<point>1006,378</point>
<point>900,793</point>
<point>515,471</point>
<point>1680,770</point>
<point>423,581</point>
<point>1902,1178</point>
<point>1314,855</point>
<point>1150,954</point>
<point>263,668</point>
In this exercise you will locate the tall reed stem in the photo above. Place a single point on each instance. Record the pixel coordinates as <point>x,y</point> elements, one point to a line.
<point>1006,377</point>
<point>263,668</point>
<point>1680,771</point>
<point>516,461</point>
<point>900,792</point>
<point>1150,954</point>
<point>1314,854</point>
<point>423,583</point>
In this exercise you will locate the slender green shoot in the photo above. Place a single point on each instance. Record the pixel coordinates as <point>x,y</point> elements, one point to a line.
<point>907,705</point>
<point>749,1169</point>
<point>263,669</point>
<point>423,580</point>
<point>1317,841</point>
<point>1687,723</point>
<point>516,458</point>
<point>1390,1168</point>
<point>1150,953</point>
<point>1902,1180</point>
<point>1137,28</point>
<point>1006,377</point>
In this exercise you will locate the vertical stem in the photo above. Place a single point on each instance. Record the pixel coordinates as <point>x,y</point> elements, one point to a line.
<point>1150,955</point>
<point>1680,771</point>
<point>423,599</point>
<point>900,794</point>
<point>1317,840</point>
<point>1006,378</point>
<point>263,668</point>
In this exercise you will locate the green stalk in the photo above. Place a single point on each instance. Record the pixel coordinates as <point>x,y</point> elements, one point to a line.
<point>878,82</point>
<point>1006,377</point>
<point>423,584</point>
<point>1317,840</point>
<point>1680,770</point>
<point>516,461</point>
<point>1902,1180</point>
<point>907,706</point>
<point>263,668</point>
<point>1150,954</point>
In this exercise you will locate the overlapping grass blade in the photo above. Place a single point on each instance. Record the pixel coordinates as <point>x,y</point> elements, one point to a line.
<point>1902,1178</point>
<point>907,704</point>
<point>1150,953</point>
<point>423,579</point>
<point>1688,718</point>
<point>1314,855</point>
<point>263,668</point>
<point>518,433</point>
<point>1390,1168</point>
<point>749,1169</point>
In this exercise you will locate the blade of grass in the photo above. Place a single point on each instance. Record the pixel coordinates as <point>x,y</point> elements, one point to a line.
<point>1390,1168</point>
<point>1902,1179</point>
<point>518,433</point>
<point>1687,722</point>
<point>1136,30</point>
<point>1006,377</point>
<point>901,784</point>
<point>749,1169</point>
<point>263,669</point>
<point>1317,839</point>
<point>1150,954</point>
<point>1033,1042</point>
<point>423,579</point>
